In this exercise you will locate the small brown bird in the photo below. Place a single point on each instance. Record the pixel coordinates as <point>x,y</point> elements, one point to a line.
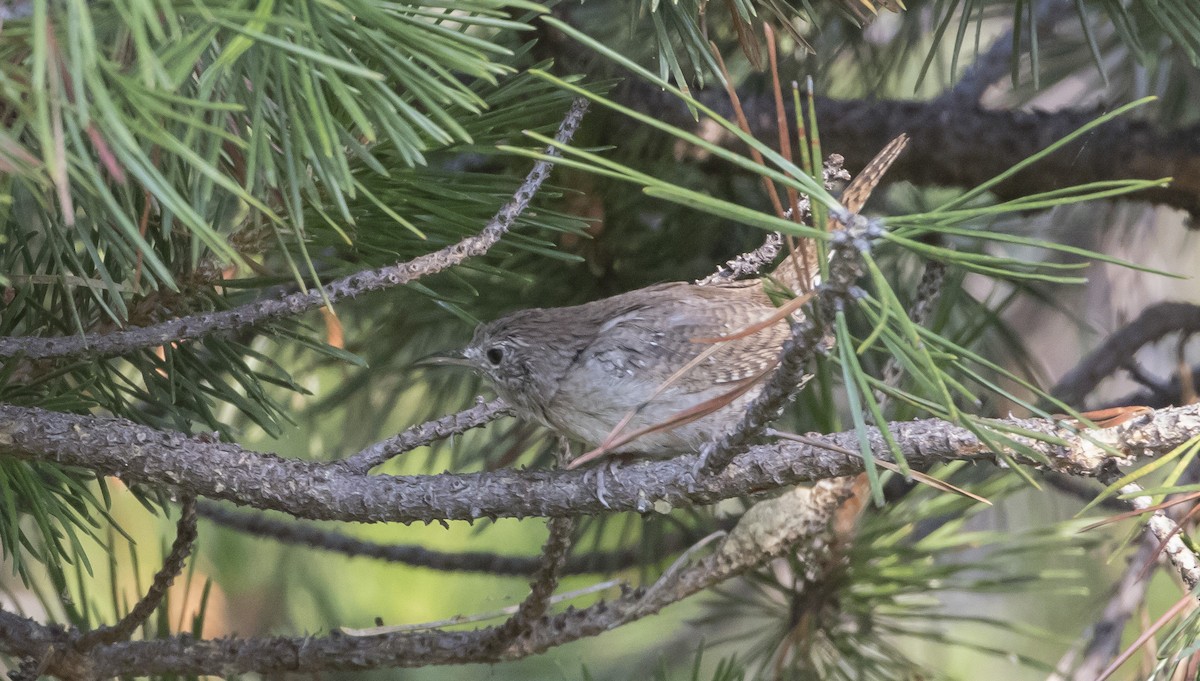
<point>580,370</point>
<point>682,355</point>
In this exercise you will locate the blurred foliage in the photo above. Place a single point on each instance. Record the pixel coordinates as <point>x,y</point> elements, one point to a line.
<point>881,588</point>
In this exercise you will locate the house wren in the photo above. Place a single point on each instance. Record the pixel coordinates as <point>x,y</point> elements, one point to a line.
<point>634,360</point>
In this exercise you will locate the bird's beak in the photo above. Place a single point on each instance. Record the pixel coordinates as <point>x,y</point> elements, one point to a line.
<point>453,358</point>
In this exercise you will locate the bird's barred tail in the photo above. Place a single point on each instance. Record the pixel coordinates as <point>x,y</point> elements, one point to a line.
<point>800,271</point>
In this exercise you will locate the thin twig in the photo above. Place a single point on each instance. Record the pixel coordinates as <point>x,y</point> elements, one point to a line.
<point>929,291</point>
<point>185,539</point>
<point>747,264</point>
<point>258,312</point>
<point>752,263</point>
<point>541,587</point>
<point>426,433</point>
<point>305,534</point>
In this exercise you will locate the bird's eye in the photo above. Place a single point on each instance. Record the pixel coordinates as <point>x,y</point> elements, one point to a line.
<point>495,355</point>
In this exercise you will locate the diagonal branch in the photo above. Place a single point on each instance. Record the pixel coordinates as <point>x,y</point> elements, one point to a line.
<point>797,520</point>
<point>181,548</point>
<point>1166,531</point>
<point>753,262</point>
<point>845,267</point>
<point>1116,351</point>
<point>541,587</point>
<point>426,433</point>
<point>258,312</point>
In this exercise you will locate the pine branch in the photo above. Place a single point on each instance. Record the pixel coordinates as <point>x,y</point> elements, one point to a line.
<point>326,491</point>
<point>1165,530</point>
<point>955,142</point>
<point>797,520</point>
<point>963,146</point>
<point>181,548</point>
<point>929,292</point>
<point>752,263</point>
<point>845,268</point>
<point>200,325</point>
<point>541,587</point>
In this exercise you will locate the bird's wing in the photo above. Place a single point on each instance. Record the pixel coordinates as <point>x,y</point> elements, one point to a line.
<point>657,331</point>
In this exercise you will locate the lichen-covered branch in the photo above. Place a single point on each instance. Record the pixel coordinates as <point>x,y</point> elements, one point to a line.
<point>1167,532</point>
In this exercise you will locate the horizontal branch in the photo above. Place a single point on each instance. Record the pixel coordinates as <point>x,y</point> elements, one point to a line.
<point>318,538</point>
<point>328,491</point>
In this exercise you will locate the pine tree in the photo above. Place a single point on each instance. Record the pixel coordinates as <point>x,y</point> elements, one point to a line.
<point>239,228</point>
